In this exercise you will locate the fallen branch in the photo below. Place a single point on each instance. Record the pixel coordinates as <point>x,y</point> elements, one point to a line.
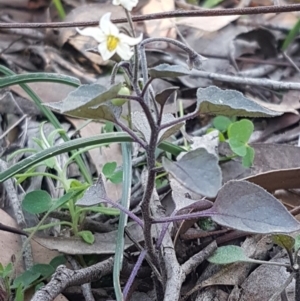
<point>64,277</point>
<point>166,15</point>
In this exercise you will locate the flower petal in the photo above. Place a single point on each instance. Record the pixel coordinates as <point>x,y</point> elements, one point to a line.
<point>105,53</point>
<point>107,26</point>
<point>124,51</point>
<point>93,32</point>
<point>128,4</point>
<point>130,40</point>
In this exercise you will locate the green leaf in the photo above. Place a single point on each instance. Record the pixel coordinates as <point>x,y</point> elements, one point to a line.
<point>238,147</point>
<point>249,157</point>
<point>241,130</point>
<point>247,207</point>
<point>7,270</point>
<point>166,70</point>
<point>221,123</point>
<point>78,143</point>
<point>109,168</point>
<point>105,210</point>
<point>239,133</point>
<point>198,171</point>
<point>211,3</point>
<point>117,177</point>
<point>19,293</point>
<point>297,243</point>
<point>87,236</point>
<point>59,8</point>
<point>291,36</point>
<point>44,270</point>
<point>58,260</point>
<point>50,116</point>
<point>37,201</point>
<point>284,241</point>
<point>61,201</point>
<point>38,77</point>
<point>215,101</point>
<point>91,102</point>
<point>228,254</point>
<point>26,279</point>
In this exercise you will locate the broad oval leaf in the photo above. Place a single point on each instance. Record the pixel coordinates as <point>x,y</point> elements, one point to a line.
<point>163,96</point>
<point>166,70</point>
<point>198,171</point>
<point>38,201</point>
<point>141,123</point>
<point>105,111</point>
<point>248,207</point>
<point>228,254</point>
<point>45,270</point>
<point>94,194</point>
<point>215,101</point>
<point>284,241</point>
<point>90,101</point>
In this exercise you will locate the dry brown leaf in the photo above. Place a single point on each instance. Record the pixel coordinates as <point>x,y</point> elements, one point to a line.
<point>268,158</point>
<point>264,281</point>
<point>10,245</point>
<point>276,124</point>
<point>208,24</point>
<point>290,199</point>
<point>211,24</point>
<point>278,179</point>
<point>159,28</point>
<point>282,107</point>
<point>105,243</point>
<point>236,273</point>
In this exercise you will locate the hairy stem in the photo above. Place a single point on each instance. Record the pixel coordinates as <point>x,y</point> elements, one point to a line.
<point>145,205</point>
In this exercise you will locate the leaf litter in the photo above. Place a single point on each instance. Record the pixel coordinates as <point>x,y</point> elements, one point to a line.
<point>275,165</point>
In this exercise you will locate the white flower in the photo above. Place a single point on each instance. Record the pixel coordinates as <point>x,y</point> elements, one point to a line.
<point>110,40</point>
<point>128,4</point>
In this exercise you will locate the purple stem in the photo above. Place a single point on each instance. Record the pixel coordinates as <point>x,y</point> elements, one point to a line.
<point>164,230</point>
<point>134,273</point>
<point>126,211</point>
<point>205,213</point>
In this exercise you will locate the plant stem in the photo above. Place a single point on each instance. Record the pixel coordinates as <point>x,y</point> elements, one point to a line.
<point>145,205</point>
<point>131,133</point>
<point>136,53</point>
<point>297,279</point>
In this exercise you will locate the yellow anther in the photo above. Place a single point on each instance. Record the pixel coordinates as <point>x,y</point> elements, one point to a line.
<point>112,42</point>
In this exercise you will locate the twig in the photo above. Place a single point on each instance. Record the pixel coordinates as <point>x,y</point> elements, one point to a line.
<point>18,214</point>
<point>85,287</point>
<point>64,277</point>
<point>166,15</point>
<point>197,259</point>
<point>266,83</point>
<point>173,269</point>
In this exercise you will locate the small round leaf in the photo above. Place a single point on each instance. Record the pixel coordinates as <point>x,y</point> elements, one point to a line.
<point>36,202</point>
<point>228,254</point>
